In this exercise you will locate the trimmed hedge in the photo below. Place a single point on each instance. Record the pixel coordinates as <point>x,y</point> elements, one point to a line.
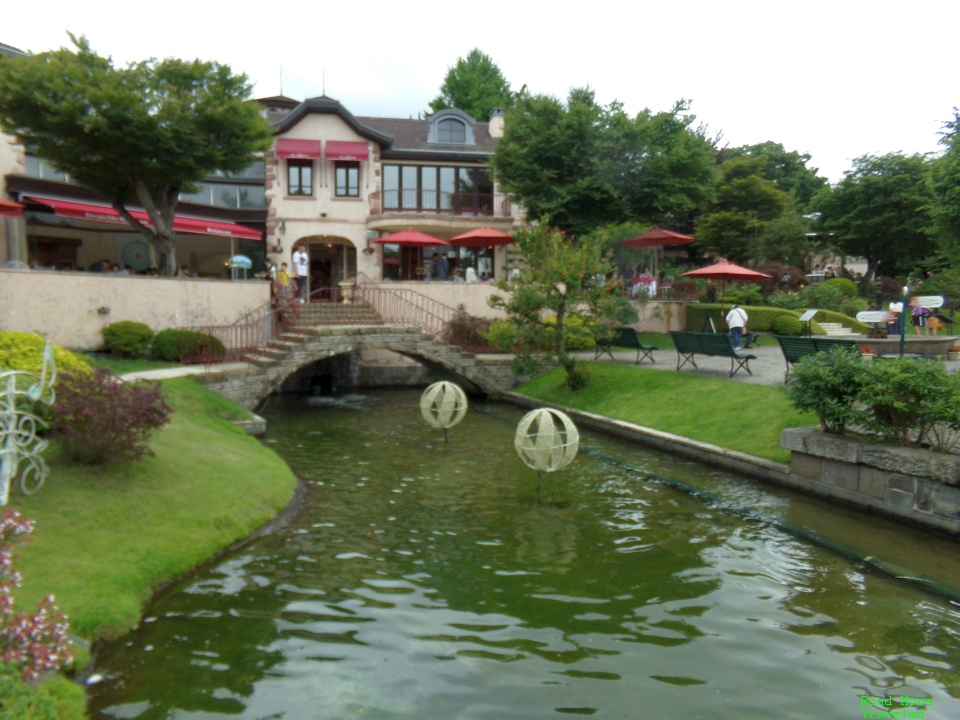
<point>762,318</point>
<point>24,351</point>
<point>173,345</point>
<point>127,338</point>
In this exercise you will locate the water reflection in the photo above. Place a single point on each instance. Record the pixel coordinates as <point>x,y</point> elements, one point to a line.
<point>423,580</point>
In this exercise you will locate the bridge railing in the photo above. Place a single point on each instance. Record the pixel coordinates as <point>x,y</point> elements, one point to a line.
<point>336,306</point>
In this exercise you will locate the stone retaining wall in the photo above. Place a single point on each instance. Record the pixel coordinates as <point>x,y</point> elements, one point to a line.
<point>909,483</point>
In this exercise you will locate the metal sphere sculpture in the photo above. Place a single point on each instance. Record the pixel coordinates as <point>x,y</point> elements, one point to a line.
<point>443,405</point>
<point>546,440</point>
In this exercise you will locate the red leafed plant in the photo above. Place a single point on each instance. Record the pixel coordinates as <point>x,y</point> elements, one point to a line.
<point>867,350</point>
<point>98,418</point>
<point>33,643</point>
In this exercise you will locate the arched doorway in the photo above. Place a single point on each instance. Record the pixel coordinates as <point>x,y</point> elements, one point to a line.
<point>332,260</point>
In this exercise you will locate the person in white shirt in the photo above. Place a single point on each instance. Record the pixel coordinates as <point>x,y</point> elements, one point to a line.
<point>737,322</point>
<point>301,267</point>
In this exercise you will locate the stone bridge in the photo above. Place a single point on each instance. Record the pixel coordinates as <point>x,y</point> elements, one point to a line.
<point>304,346</point>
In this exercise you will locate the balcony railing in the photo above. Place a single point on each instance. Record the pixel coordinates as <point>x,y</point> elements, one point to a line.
<point>440,203</point>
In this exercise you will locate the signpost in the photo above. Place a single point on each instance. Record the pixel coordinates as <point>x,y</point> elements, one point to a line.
<point>805,319</point>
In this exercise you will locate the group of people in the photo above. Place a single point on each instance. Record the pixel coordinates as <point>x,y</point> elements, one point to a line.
<point>637,282</point>
<point>107,266</point>
<point>922,319</point>
<point>289,284</point>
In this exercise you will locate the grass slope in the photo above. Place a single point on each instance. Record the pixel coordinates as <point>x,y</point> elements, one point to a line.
<point>747,418</point>
<point>107,536</point>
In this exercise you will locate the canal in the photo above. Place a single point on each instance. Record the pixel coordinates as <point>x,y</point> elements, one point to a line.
<point>425,580</point>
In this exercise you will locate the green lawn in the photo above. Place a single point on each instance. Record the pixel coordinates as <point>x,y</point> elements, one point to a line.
<point>107,536</point>
<point>742,417</point>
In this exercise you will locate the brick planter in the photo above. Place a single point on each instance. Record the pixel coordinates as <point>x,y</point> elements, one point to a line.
<point>917,485</point>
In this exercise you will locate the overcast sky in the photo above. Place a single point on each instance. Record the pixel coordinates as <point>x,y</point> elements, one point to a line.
<point>834,79</point>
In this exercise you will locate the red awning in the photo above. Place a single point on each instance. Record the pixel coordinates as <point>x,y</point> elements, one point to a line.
<point>181,224</point>
<point>340,150</point>
<point>298,149</point>
<point>10,208</point>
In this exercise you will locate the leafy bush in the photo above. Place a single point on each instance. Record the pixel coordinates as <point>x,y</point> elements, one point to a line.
<point>783,278</point>
<point>578,377</point>
<point>127,338</point>
<point>502,334</point>
<point>847,287</point>
<point>907,399</point>
<point>786,325</point>
<point>852,306</point>
<point>822,295</point>
<point>97,418</point>
<point>577,334</point>
<point>828,384</point>
<point>175,345</point>
<point>19,701</point>
<point>466,330</point>
<point>787,301</point>
<point>24,351</point>
<point>744,295</point>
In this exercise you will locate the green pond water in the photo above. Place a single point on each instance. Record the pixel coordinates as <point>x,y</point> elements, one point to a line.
<point>423,580</point>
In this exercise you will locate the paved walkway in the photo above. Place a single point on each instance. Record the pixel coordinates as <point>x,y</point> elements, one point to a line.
<point>166,373</point>
<point>768,369</point>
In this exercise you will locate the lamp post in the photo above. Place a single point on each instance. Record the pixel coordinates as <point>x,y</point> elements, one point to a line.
<point>905,303</point>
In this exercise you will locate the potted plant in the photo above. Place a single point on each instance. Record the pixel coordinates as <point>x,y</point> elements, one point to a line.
<point>867,352</point>
<point>954,353</point>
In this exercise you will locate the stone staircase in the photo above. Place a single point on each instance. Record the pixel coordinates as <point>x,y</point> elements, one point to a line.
<point>837,330</point>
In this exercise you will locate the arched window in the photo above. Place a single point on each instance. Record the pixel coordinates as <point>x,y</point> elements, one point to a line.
<point>451,131</point>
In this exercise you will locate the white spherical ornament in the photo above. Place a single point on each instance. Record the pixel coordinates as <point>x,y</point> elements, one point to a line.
<point>443,404</point>
<point>546,440</point>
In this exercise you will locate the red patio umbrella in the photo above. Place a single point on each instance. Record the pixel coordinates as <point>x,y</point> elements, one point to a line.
<point>657,238</point>
<point>410,238</point>
<point>482,237</point>
<point>725,271</point>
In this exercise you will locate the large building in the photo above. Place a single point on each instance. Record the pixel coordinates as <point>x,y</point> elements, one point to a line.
<point>332,183</point>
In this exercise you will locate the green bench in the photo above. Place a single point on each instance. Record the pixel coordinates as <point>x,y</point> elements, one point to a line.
<point>624,337</point>
<point>689,344</point>
<point>795,348</point>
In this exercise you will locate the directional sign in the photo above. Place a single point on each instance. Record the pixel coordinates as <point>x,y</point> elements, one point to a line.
<point>927,301</point>
<point>876,316</point>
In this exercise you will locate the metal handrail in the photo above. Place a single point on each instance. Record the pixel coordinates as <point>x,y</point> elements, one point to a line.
<point>391,306</point>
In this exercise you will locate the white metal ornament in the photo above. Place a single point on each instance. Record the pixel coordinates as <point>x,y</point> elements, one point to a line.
<point>546,440</point>
<point>19,442</point>
<point>443,405</point>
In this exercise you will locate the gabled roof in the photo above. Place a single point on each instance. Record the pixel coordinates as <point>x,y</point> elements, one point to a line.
<point>410,138</point>
<point>329,106</point>
<point>10,50</point>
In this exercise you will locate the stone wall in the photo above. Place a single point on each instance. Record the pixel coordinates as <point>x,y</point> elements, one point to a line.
<point>913,484</point>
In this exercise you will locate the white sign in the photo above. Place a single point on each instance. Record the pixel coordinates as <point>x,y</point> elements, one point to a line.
<point>927,301</point>
<point>875,316</point>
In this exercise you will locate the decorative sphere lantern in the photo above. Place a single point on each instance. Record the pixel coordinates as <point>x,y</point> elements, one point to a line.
<point>443,405</point>
<point>546,440</point>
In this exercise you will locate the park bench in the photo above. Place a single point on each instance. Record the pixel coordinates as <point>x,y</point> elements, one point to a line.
<point>624,337</point>
<point>689,344</point>
<point>795,348</point>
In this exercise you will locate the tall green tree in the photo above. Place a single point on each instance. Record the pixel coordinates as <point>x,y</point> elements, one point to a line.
<point>880,211</point>
<point>746,203</point>
<point>474,85</point>
<point>583,165</point>
<point>787,168</point>
<point>944,184</point>
<point>138,135</point>
<point>559,277</point>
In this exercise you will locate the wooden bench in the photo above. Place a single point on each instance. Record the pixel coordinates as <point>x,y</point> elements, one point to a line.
<point>624,337</point>
<point>689,344</point>
<point>795,348</point>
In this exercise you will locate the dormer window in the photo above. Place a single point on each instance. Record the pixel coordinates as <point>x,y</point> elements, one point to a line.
<point>451,131</point>
<point>451,127</point>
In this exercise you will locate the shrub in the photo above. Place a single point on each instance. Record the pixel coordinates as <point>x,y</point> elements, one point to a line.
<point>19,701</point>
<point>786,325</point>
<point>127,338</point>
<point>97,418</point>
<point>847,287</point>
<point>175,345</point>
<point>466,330</point>
<point>911,402</point>
<point>502,334</point>
<point>822,295</point>
<point>852,306</point>
<point>744,295</point>
<point>578,376</point>
<point>577,333</point>
<point>24,351</point>
<point>787,300</point>
<point>828,383</point>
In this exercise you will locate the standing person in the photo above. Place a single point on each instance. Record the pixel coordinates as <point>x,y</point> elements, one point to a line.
<point>283,282</point>
<point>737,322</point>
<point>893,327</point>
<point>919,316</point>
<point>301,266</point>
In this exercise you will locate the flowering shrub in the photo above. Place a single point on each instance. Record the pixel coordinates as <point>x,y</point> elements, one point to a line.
<point>32,643</point>
<point>955,348</point>
<point>867,350</point>
<point>99,418</point>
